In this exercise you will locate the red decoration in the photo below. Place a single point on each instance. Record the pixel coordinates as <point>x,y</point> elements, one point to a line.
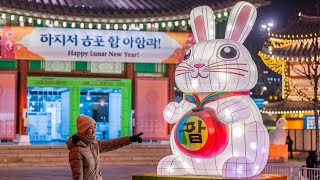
<point>214,134</point>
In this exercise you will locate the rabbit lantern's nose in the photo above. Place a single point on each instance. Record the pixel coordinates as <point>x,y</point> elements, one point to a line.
<point>198,65</point>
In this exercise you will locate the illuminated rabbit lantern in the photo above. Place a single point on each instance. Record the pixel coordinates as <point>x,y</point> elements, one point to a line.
<point>218,128</point>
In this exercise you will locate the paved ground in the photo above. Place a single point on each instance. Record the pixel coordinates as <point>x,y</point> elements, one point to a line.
<point>64,173</point>
<point>108,172</point>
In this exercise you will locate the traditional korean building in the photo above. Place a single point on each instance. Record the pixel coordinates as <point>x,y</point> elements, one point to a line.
<point>290,52</point>
<point>42,90</point>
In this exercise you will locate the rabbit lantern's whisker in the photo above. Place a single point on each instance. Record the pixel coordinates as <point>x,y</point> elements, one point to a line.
<point>235,64</point>
<point>227,69</point>
<point>228,72</point>
<point>183,73</point>
<point>185,67</point>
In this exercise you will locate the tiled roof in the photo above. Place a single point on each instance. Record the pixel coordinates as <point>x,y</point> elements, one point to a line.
<point>288,105</point>
<point>305,48</point>
<point>300,33</point>
<point>118,8</point>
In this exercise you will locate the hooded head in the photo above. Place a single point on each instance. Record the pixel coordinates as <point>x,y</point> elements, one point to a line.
<point>83,123</point>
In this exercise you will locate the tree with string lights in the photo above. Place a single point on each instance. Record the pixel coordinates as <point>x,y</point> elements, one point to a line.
<point>308,67</point>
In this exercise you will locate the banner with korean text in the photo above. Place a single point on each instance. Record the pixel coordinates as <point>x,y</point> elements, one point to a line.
<point>8,93</point>
<point>151,99</point>
<point>66,44</point>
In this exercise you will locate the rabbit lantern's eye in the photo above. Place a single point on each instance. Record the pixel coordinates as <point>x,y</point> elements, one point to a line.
<point>187,55</point>
<point>228,52</point>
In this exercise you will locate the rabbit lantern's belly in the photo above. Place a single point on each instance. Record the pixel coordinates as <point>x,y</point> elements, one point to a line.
<point>200,134</point>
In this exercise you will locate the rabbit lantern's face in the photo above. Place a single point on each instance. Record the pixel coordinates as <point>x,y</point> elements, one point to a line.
<point>215,65</point>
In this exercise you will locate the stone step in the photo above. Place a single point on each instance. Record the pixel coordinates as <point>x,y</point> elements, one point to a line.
<point>49,156</point>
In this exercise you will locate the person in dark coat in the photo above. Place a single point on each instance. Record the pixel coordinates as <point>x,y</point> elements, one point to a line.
<point>290,143</point>
<point>84,149</point>
<point>311,162</point>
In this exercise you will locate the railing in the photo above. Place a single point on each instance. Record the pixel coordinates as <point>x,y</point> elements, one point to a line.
<point>280,169</point>
<point>293,172</point>
<point>309,173</point>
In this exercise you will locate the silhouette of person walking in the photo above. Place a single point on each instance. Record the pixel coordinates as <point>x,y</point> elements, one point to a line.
<point>311,162</point>
<point>290,143</point>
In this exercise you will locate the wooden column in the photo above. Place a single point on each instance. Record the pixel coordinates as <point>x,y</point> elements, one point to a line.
<point>23,68</point>
<point>170,74</point>
<point>129,70</point>
<point>130,75</point>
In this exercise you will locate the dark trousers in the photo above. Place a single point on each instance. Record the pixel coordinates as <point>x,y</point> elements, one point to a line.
<point>291,156</point>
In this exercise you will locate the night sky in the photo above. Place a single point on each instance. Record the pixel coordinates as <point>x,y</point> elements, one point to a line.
<point>281,12</point>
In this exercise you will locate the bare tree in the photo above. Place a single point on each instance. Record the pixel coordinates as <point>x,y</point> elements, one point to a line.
<point>309,68</point>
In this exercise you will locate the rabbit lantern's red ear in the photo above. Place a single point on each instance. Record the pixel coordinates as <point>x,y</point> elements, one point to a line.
<point>240,22</point>
<point>202,23</point>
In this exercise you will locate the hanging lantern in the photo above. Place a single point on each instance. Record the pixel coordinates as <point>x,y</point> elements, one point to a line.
<point>21,18</point>
<point>133,26</point>
<point>12,17</point>
<point>3,15</point>
<point>170,24</point>
<point>73,24</point>
<point>141,26</point>
<point>116,26</point>
<point>30,20</point>
<point>38,21</point>
<point>176,23</point>
<point>124,26</point>
<point>156,25</point>
<point>64,24</point>
<point>107,26</point>
<point>163,24</point>
<point>81,25</point>
<point>99,26</point>
<point>47,22</point>
<point>90,26</point>
<point>56,23</point>
<point>149,25</point>
<point>183,22</point>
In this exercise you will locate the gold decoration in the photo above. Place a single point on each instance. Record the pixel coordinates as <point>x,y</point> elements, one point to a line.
<point>272,63</point>
<point>279,43</point>
<point>285,81</point>
<point>300,93</point>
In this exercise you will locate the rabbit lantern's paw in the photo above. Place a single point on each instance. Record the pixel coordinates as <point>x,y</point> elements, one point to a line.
<point>173,165</point>
<point>172,112</point>
<point>239,167</point>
